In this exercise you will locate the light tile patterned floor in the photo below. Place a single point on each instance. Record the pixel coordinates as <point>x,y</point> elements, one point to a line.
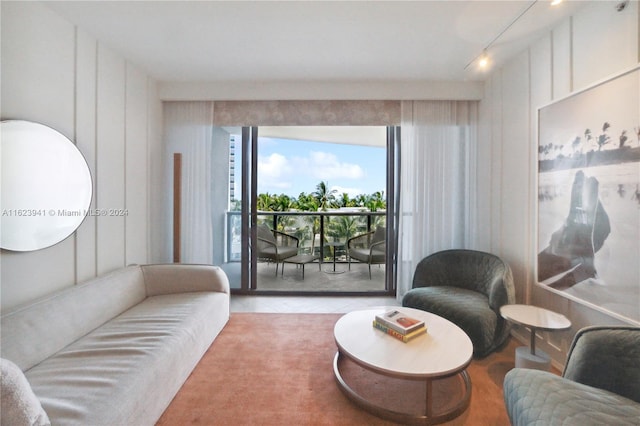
<point>306,304</point>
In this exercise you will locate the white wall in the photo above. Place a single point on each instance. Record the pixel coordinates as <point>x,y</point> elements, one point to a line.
<point>58,75</point>
<point>320,90</point>
<point>597,43</point>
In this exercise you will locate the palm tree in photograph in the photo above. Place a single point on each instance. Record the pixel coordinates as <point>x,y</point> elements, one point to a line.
<point>604,138</point>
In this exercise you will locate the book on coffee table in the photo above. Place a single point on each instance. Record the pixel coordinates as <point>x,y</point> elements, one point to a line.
<point>399,321</point>
<point>403,337</point>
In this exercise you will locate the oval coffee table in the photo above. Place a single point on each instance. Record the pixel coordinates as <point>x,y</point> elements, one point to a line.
<point>444,351</point>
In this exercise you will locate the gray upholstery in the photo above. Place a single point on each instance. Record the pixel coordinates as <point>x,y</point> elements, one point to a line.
<point>116,349</point>
<point>600,383</point>
<point>369,248</point>
<point>467,287</point>
<point>275,246</point>
<point>607,358</point>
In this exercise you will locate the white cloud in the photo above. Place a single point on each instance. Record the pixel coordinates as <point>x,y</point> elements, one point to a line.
<point>353,192</point>
<point>274,171</point>
<point>278,173</point>
<point>327,166</point>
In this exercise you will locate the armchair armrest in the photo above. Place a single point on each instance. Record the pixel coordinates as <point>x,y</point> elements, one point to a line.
<point>501,290</point>
<point>377,246</point>
<point>353,241</point>
<point>268,242</point>
<point>180,278</point>
<point>286,238</point>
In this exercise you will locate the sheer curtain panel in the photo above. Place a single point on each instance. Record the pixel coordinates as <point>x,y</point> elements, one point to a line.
<point>188,130</point>
<point>437,188</point>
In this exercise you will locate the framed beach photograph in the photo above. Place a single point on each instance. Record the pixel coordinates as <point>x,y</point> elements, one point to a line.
<point>589,196</point>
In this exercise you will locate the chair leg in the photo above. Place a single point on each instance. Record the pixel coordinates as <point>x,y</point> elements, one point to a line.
<point>369,271</point>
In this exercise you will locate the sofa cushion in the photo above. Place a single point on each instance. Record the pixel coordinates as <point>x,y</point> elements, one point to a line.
<point>540,398</point>
<point>127,371</point>
<point>33,333</point>
<point>468,309</point>
<point>20,406</point>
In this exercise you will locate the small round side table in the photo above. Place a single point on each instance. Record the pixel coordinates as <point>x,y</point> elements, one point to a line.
<point>534,318</point>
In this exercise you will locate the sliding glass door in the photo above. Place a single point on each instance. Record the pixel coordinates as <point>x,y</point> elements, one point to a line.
<point>312,201</point>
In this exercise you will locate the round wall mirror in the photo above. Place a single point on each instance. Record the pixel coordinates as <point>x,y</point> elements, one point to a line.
<point>46,186</point>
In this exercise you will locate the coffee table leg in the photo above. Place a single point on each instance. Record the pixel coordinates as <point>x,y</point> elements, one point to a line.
<point>429,418</point>
<point>429,408</point>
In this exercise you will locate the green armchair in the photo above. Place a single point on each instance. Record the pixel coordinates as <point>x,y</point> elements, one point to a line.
<point>467,287</point>
<point>600,384</point>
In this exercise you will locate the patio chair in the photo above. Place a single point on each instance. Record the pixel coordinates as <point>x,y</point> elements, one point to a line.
<point>370,248</point>
<point>275,246</point>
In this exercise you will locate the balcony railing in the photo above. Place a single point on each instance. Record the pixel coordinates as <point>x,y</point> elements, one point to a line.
<point>314,229</point>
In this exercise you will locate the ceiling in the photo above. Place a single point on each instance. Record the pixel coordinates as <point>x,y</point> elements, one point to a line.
<point>324,41</point>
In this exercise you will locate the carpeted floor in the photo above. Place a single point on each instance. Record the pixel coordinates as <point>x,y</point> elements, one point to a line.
<point>277,369</point>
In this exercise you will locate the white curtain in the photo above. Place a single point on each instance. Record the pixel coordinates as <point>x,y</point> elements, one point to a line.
<point>437,185</point>
<point>188,130</point>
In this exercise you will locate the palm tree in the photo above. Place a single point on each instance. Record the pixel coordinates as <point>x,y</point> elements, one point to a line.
<point>342,227</point>
<point>344,200</point>
<point>281,203</point>
<point>264,202</point>
<point>325,197</point>
<point>376,201</point>
<point>305,202</point>
<point>360,200</point>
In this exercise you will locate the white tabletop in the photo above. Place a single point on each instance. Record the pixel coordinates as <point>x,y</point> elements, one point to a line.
<point>444,349</point>
<point>534,316</point>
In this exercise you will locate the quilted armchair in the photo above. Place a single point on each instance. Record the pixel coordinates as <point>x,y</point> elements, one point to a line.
<point>467,287</point>
<point>600,384</point>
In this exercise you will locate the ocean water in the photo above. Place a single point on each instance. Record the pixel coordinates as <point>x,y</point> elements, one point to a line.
<point>617,285</point>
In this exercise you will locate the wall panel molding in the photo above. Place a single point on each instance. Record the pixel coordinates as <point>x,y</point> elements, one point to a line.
<point>85,125</point>
<point>136,166</point>
<point>110,171</point>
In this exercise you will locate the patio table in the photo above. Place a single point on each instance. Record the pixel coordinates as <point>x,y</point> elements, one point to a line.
<point>301,259</point>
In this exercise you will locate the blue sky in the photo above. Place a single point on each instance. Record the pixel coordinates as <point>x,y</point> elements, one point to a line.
<point>291,166</point>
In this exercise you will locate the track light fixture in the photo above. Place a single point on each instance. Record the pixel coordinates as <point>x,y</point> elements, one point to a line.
<point>483,58</point>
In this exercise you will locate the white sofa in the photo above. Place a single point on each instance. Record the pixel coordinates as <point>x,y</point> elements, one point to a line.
<point>111,351</point>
